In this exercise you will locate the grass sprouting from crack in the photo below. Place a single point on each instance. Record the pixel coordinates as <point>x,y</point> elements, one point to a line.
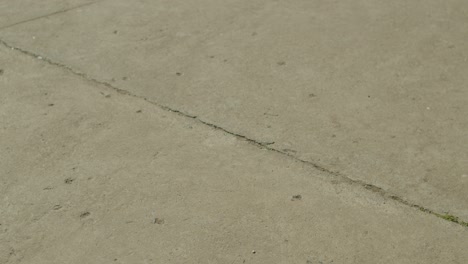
<point>446,216</point>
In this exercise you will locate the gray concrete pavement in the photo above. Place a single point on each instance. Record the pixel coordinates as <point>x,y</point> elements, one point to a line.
<point>373,90</point>
<point>90,175</point>
<point>13,13</point>
<point>178,131</point>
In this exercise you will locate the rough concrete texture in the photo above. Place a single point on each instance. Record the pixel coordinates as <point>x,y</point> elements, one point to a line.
<point>92,176</point>
<point>13,13</point>
<point>180,131</point>
<point>374,90</point>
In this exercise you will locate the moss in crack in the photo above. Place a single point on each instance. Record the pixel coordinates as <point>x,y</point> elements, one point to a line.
<point>452,218</point>
<point>445,216</point>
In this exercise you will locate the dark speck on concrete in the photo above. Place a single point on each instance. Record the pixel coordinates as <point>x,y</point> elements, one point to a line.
<point>178,73</point>
<point>139,111</point>
<point>106,95</point>
<point>296,197</point>
<point>1,71</point>
<point>51,104</point>
<point>281,63</point>
<point>69,180</point>
<point>158,221</point>
<point>84,214</point>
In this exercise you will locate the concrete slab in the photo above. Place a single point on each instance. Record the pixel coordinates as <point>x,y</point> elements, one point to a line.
<point>374,90</point>
<point>90,175</point>
<point>22,11</point>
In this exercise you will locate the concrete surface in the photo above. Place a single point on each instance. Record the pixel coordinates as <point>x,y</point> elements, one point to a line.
<point>94,176</point>
<point>374,90</point>
<point>179,131</point>
<point>13,13</point>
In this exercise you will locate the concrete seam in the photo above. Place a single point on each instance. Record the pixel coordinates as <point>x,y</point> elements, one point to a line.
<point>262,145</point>
<point>48,15</point>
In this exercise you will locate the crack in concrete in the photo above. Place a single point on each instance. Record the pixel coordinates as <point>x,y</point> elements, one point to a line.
<point>48,15</point>
<point>263,145</point>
